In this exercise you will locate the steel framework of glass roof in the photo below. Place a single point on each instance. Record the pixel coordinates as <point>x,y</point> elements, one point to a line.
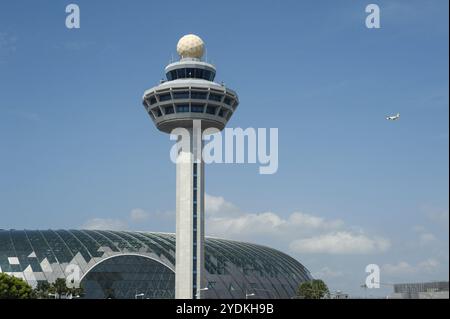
<point>124,264</point>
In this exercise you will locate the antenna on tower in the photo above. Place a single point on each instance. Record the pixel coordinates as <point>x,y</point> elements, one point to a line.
<point>206,55</point>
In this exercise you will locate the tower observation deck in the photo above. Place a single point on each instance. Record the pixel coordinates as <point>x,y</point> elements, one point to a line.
<point>189,94</point>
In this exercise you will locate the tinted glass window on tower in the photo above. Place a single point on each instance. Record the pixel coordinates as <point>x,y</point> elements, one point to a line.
<point>181,95</point>
<point>182,108</point>
<point>190,73</point>
<point>198,95</point>
<point>169,109</point>
<point>215,97</point>
<point>165,97</point>
<point>211,109</point>
<point>197,108</point>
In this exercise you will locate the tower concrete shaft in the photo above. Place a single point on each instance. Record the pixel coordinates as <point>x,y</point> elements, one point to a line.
<point>190,222</point>
<point>190,95</point>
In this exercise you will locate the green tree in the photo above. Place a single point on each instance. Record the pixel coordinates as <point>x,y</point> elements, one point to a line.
<point>60,287</point>
<point>314,289</point>
<point>43,290</point>
<point>109,293</point>
<point>14,288</point>
<point>76,292</point>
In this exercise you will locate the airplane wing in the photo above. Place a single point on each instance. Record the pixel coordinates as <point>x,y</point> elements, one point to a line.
<point>393,118</point>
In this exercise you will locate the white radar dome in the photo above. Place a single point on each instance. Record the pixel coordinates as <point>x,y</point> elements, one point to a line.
<point>190,46</point>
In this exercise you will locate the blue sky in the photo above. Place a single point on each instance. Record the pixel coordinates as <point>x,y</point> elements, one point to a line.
<point>77,148</point>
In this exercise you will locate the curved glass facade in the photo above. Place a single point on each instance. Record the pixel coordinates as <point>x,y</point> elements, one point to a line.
<point>124,264</point>
<point>128,277</point>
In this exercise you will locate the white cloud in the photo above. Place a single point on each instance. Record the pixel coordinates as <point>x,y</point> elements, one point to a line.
<point>269,222</point>
<point>313,222</point>
<point>138,215</point>
<point>342,242</point>
<point>218,205</point>
<point>400,268</point>
<point>301,232</point>
<point>246,224</point>
<point>428,265</point>
<point>105,224</point>
<point>327,273</point>
<point>403,268</point>
<point>427,238</point>
<point>439,216</point>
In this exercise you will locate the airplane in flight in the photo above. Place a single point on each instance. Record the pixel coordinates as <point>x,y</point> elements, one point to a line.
<point>393,117</point>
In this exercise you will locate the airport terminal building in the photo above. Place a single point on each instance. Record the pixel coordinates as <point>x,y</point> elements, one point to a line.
<point>128,265</point>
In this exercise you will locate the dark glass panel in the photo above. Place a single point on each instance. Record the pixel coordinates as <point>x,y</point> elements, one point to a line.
<point>164,97</point>
<point>40,246</point>
<point>152,100</point>
<point>157,111</point>
<point>215,97</point>
<point>101,240</point>
<point>182,108</point>
<point>74,244</point>
<point>91,245</point>
<point>21,246</point>
<point>190,73</point>
<point>181,95</point>
<point>169,109</point>
<point>197,108</point>
<point>199,73</point>
<point>207,75</point>
<point>210,109</point>
<point>181,73</point>
<point>59,247</point>
<point>6,250</point>
<point>198,95</point>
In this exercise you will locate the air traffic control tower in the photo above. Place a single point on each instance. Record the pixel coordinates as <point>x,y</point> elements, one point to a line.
<point>190,94</point>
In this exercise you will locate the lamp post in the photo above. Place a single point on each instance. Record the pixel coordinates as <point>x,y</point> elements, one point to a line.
<point>365,290</point>
<point>249,295</point>
<point>198,294</point>
<point>139,295</point>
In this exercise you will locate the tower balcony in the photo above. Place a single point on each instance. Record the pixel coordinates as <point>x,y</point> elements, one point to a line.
<point>177,103</point>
